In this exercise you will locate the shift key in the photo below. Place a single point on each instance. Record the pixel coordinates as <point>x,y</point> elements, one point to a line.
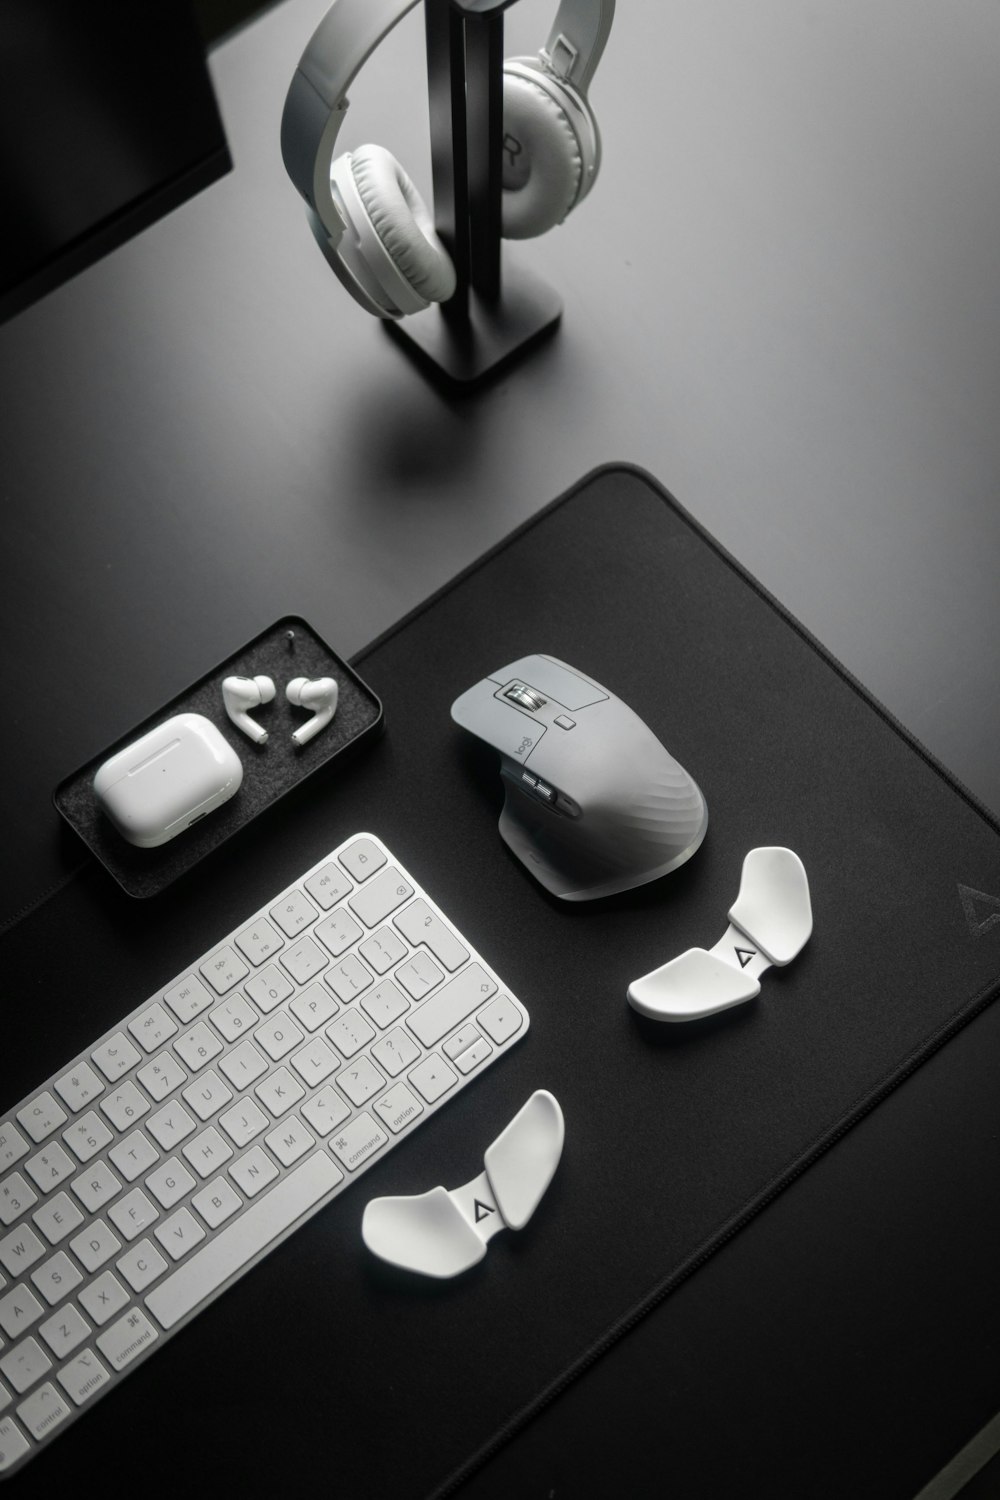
<point>443,1011</point>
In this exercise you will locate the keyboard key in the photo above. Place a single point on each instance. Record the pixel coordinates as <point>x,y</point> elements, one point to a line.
<point>43,1410</point>
<point>450,1005</point>
<point>18,1310</point>
<point>395,1052</point>
<point>170,1126</point>
<point>385,1004</point>
<point>160,1077</point>
<point>126,1339</point>
<point>104,1297</point>
<point>207,1152</point>
<point>258,941</point>
<point>279,1092</point>
<point>419,976</point>
<point>268,988</point>
<point>348,978</point>
<point>188,998</point>
<point>327,886</point>
<point>133,1156</point>
<point>289,1141</point>
<point>96,1187</point>
<point>12,1145</point>
<point>349,1033</point>
<point>20,1249</point>
<point>86,1136</point>
<point>41,1117</point>
<point>207,1095</point>
<point>16,1197</point>
<point>95,1246</point>
<point>338,931</point>
<point>152,1028</point>
<point>304,960</point>
<point>314,1006</point>
<point>278,1036</point>
<point>170,1182</point>
<point>397,1107</point>
<point>77,1087</point>
<point>224,969</point>
<point>362,858</point>
<point>383,949</point>
<point>179,1234</point>
<point>501,1020</point>
<point>419,924</point>
<point>141,1265</point>
<point>217,1202</point>
<point>473,1056</point>
<point>315,1062</point>
<point>358,1141</point>
<point>233,1247</point>
<point>125,1105</point>
<point>253,1172</point>
<point>57,1218</point>
<point>360,1081</point>
<point>115,1056</point>
<point>433,1077</point>
<point>244,1121</point>
<point>25,1364</point>
<point>233,1017</point>
<point>198,1046</point>
<point>83,1376</point>
<point>133,1214</point>
<point>13,1443</point>
<point>293,913</point>
<point>56,1278</point>
<point>65,1331</point>
<point>462,1040</point>
<point>373,903</point>
<point>325,1111</point>
<point>243,1065</point>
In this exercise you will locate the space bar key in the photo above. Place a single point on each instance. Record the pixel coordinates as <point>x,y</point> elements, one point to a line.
<point>246,1237</point>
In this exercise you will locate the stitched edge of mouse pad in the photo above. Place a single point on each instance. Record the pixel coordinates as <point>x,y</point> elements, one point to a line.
<point>897,1074</point>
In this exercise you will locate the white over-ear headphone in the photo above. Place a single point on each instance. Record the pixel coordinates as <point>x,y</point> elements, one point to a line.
<point>369,220</point>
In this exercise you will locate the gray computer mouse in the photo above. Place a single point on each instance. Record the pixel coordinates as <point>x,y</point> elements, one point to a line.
<point>593,803</point>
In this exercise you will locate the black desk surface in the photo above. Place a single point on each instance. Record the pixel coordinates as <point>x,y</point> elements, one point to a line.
<point>800,339</point>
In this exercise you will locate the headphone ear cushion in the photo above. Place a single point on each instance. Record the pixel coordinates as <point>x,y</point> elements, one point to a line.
<point>542,164</point>
<point>403,223</point>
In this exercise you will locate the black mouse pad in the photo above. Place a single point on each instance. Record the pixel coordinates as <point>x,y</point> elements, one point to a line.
<point>369,1382</point>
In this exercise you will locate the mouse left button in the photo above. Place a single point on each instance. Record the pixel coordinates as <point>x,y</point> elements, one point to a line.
<point>508,729</point>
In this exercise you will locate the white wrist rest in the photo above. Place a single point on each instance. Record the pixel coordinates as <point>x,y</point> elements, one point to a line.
<point>770,922</point>
<point>442,1233</point>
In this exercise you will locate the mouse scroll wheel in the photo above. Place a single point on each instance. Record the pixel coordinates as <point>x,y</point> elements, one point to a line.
<point>525,696</point>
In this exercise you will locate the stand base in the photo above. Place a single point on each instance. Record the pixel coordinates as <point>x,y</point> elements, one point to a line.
<point>465,352</point>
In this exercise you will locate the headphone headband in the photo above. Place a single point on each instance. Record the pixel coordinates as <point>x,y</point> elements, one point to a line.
<point>342,43</point>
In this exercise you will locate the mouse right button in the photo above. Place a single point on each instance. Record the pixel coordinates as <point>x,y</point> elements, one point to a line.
<point>773,906</point>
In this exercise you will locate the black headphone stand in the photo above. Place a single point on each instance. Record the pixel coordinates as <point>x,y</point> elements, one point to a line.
<point>497,312</point>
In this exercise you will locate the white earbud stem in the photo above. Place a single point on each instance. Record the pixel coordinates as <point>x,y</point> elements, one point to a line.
<point>320,696</point>
<point>242,693</point>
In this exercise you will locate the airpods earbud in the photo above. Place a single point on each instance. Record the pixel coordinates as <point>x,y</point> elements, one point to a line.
<point>242,693</point>
<point>320,696</point>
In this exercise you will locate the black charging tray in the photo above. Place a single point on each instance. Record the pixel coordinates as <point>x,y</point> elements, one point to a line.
<point>289,648</point>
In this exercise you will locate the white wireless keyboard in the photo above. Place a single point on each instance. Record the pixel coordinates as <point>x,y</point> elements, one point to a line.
<point>157,1167</point>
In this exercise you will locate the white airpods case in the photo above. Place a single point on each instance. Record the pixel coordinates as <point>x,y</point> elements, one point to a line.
<point>165,781</point>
